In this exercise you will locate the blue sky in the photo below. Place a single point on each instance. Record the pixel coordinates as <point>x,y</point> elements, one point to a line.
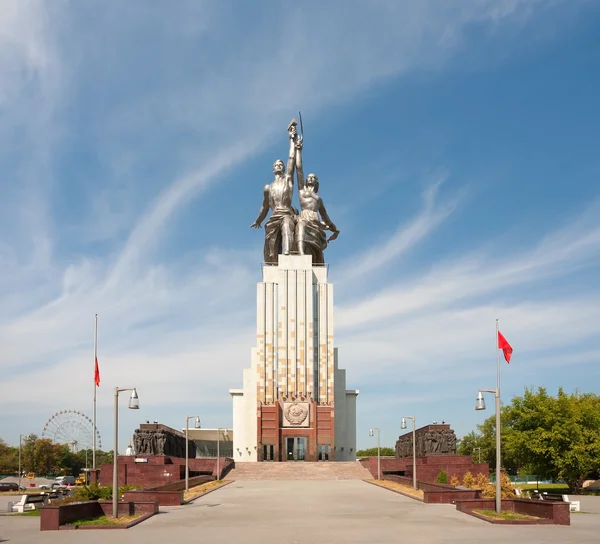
<point>457,148</point>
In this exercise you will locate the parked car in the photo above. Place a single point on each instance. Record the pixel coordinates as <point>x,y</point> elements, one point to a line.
<point>63,481</point>
<point>9,486</point>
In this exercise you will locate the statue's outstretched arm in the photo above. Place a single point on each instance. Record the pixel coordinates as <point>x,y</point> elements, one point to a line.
<point>264,209</point>
<point>291,163</point>
<point>299,168</point>
<point>325,217</point>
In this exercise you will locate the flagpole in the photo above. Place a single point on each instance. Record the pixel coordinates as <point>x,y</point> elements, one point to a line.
<point>498,463</point>
<point>95,387</point>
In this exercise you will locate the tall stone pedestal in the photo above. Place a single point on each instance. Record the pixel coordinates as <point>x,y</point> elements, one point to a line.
<point>294,404</point>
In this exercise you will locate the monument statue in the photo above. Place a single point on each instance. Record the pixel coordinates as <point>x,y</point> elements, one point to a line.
<point>279,229</point>
<point>288,231</point>
<point>310,229</point>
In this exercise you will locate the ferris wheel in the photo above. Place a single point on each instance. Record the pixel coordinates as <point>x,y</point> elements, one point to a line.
<point>73,428</point>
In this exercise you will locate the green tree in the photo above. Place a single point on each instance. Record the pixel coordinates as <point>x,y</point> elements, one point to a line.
<point>28,453</point>
<point>67,461</point>
<point>559,437</point>
<point>372,452</point>
<point>9,459</point>
<point>554,437</point>
<point>44,452</point>
<point>471,444</point>
<point>41,456</point>
<point>102,458</point>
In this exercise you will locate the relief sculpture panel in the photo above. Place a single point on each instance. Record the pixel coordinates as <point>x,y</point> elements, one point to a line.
<point>296,414</point>
<point>161,442</point>
<point>429,441</point>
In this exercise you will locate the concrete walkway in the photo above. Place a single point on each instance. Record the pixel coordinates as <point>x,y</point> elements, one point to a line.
<point>342,511</point>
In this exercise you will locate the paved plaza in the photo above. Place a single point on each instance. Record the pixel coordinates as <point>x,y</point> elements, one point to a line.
<point>344,511</point>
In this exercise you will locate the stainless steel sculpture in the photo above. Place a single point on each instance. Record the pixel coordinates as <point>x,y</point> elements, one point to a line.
<point>310,228</point>
<point>279,229</point>
<point>288,231</point>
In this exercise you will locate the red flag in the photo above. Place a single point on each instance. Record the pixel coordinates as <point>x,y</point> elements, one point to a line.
<point>504,346</point>
<point>97,374</point>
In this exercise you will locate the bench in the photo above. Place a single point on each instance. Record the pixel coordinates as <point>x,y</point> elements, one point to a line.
<point>574,506</point>
<point>29,502</point>
<point>53,495</point>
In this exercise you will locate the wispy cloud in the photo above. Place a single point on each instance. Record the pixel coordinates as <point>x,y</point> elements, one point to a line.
<point>161,113</point>
<point>487,273</point>
<point>431,216</point>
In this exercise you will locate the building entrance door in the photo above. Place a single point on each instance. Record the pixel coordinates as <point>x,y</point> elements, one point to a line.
<point>268,452</point>
<point>295,448</point>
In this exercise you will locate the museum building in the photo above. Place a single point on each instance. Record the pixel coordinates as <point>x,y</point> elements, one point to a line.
<point>294,405</point>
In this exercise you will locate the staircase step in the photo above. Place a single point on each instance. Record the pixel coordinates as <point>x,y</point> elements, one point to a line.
<point>302,470</point>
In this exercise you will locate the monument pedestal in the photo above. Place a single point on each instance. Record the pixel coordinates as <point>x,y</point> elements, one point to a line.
<point>294,405</point>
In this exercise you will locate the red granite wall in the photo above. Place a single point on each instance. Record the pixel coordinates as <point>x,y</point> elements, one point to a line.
<point>53,516</point>
<point>143,474</point>
<point>268,425</point>
<point>270,430</point>
<point>161,470</point>
<point>325,432</point>
<point>428,467</point>
<point>437,493</point>
<point>556,513</point>
<point>163,498</point>
<point>180,484</point>
<point>388,464</point>
<point>136,506</point>
<point>204,465</point>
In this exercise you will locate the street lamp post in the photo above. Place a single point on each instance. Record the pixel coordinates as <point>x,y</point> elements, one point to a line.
<point>20,469</point>
<point>414,448</point>
<point>480,405</point>
<point>479,451</point>
<point>371,433</point>
<point>187,455</point>
<point>134,404</point>
<point>225,435</point>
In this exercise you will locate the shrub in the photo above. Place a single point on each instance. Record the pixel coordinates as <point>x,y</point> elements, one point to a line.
<point>442,477</point>
<point>468,480</point>
<point>93,492</point>
<point>125,488</point>
<point>506,486</point>
<point>454,480</point>
<point>483,482</point>
<point>488,489</point>
<point>67,500</point>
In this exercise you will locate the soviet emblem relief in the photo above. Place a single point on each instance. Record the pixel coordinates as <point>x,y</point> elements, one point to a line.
<point>296,413</point>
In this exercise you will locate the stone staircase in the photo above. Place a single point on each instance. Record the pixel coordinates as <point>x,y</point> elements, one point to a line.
<point>299,471</point>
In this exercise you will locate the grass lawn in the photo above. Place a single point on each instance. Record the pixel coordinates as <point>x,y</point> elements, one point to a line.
<point>30,513</point>
<point>505,514</point>
<point>106,520</point>
<point>197,490</point>
<point>558,489</point>
<point>28,491</point>
<point>406,489</point>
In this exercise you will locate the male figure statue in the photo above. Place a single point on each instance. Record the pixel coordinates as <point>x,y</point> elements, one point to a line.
<point>310,230</point>
<point>279,229</point>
